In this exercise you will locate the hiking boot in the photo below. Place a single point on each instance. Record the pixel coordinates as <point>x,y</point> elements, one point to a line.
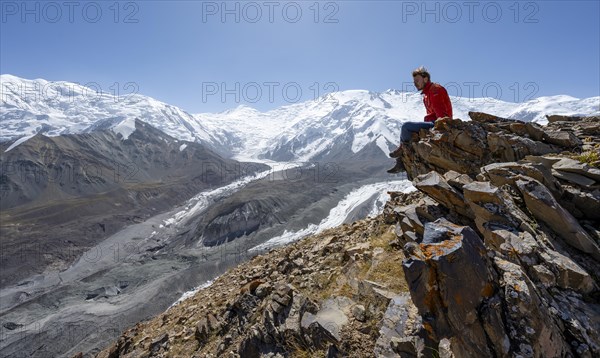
<point>396,153</point>
<point>399,167</point>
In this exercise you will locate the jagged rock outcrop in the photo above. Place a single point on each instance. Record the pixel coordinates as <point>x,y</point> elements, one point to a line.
<point>323,296</point>
<point>465,147</point>
<point>512,269</point>
<point>496,254</point>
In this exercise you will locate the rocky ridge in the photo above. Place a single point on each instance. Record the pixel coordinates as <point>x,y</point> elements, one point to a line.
<point>496,254</point>
<point>62,195</point>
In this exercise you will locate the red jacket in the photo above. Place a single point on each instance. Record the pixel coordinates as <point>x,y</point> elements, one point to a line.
<point>437,103</point>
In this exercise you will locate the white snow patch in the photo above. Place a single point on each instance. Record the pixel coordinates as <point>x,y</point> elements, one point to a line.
<point>182,147</point>
<point>192,292</point>
<point>169,222</point>
<point>382,144</point>
<point>19,141</point>
<point>125,128</point>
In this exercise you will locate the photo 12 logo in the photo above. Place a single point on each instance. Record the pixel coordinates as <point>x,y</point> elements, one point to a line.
<point>517,92</point>
<point>70,333</point>
<point>64,172</point>
<point>69,92</point>
<point>318,172</point>
<point>70,11</point>
<point>270,12</point>
<point>271,91</point>
<point>470,11</point>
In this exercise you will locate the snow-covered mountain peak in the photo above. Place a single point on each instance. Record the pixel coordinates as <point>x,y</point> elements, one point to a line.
<point>339,121</point>
<point>358,117</point>
<point>392,91</point>
<point>240,110</point>
<point>54,108</point>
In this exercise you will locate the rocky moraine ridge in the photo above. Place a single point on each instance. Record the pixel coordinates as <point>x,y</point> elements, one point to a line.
<point>496,254</point>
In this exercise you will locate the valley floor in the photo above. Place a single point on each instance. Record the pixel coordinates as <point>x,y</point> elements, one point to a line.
<point>132,275</point>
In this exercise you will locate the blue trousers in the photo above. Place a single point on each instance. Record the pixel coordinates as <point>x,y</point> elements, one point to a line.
<point>409,128</point>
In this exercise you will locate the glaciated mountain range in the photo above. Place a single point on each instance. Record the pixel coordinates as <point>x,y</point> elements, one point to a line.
<point>344,121</point>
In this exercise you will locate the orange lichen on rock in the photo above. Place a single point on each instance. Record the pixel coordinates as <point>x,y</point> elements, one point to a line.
<point>251,286</point>
<point>430,296</point>
<point>488,290</point>
<point>428,328</point>
<point>440,249</point>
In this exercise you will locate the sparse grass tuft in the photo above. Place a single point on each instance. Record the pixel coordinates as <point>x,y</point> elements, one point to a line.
<point>327,285</point>
<point>591,157</point>
<point>299,353</point>
<point>388,271</point>
<point>346,290</point>
<point>364,269</point>
<point>299,350</point>
<point>383,240</point>
<point>432,352</point>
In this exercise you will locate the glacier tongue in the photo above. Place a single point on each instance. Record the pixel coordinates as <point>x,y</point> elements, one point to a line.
<point>340,213</point>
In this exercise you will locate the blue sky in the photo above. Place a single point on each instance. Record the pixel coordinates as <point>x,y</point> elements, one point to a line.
<point>211,56</point>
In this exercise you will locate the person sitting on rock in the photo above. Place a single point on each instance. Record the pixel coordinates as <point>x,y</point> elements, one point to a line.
<point>437,104</point>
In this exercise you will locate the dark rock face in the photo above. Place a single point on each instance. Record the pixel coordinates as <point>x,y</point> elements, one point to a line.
<point>244,219</point>
<point>465,147</point>
<point>401,330</point>
<point>449,279</point>
<point>492,279</point>
<point>545,208</point>
<point>484,307</point>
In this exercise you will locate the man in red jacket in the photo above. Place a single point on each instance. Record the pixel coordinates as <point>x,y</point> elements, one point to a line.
<point>437,104</point>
